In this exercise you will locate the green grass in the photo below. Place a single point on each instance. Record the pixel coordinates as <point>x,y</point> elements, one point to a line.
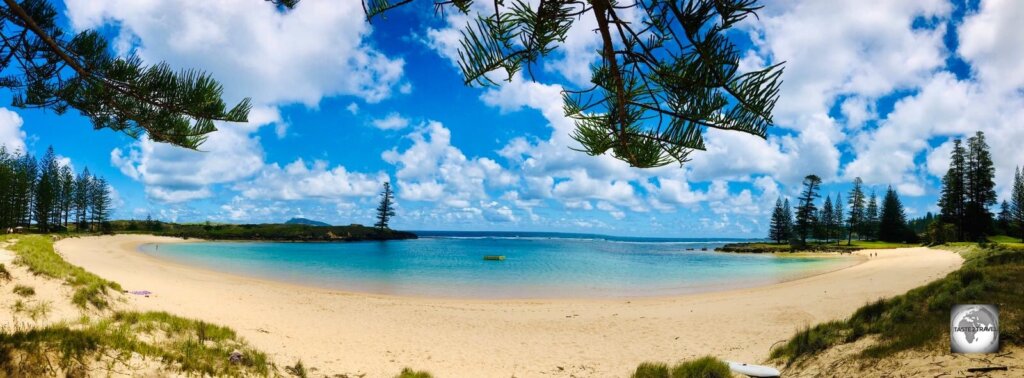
<point>24,291</point>
<point>189,346</point>
<point>36,253</point>
<point>5,275</point>
<point>813,246</point>
<point>919,318</point>
<point>704,367</point>
<point>409,373</point>
<point>1005,239</point>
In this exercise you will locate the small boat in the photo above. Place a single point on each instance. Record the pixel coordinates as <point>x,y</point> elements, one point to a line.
<point>494,257</point>
<point>753,370</point>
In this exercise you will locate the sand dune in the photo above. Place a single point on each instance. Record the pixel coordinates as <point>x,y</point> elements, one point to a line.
<point>351,333</point>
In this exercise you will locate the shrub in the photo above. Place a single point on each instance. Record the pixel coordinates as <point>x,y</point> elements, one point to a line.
<point>704,367</point>
<point>25,291</point>
<point>409,373</point>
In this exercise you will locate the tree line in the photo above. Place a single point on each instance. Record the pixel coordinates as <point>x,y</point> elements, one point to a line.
<point>859,216</point>
<point>966,200</point>
<point>49,194</point>
<point>968,194</point>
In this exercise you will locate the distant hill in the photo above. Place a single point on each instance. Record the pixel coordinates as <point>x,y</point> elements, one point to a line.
<point>308,222</point>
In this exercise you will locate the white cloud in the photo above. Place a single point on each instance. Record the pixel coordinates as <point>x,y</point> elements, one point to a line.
<point>174,174</point>
<point>353,108</point>
<point>12,136</point>
<point>314,51</point>
<point>431,169</point>
<point>393,121</point>
<point>298,181</point>
<point>991,41</point>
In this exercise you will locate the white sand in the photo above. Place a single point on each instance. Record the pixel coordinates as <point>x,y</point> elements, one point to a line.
<point>351,333</point>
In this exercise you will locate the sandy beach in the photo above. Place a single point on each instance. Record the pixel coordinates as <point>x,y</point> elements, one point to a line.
<point>353,333</point>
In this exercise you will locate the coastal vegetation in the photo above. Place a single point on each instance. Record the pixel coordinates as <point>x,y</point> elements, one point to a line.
<point>124,339</point>
<point>968,193</point>
<point>704,367</point>
<point>36,253</point>
<point>47,194</point>
<point>918,319</point>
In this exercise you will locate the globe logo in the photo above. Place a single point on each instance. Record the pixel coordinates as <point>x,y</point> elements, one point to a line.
<point>974,328</point>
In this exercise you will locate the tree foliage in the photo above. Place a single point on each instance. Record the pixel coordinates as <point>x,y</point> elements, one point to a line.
<point>856,220</point>
<point>952,201</point>
<point>660,83</point>
<point>981,188</point>
<point>46,68</point>
<point>807,211</point>
<point>1017,202</point>
<point>386,208</point>
<point>968,189</point>
<point>779,228</point>
<point>892,224</point>
<point>871,217</point>
<point>46,193</point>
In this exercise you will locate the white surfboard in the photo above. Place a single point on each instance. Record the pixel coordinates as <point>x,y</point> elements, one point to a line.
<point>749,370</point>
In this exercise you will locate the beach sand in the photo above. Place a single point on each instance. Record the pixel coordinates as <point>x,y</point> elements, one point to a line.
<point>353,333</point>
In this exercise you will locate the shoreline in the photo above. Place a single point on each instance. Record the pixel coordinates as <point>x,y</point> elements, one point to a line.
<point>342,332</point>
<point>675,291</point>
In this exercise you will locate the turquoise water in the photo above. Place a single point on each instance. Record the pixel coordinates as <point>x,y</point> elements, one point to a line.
<point>535,267</point>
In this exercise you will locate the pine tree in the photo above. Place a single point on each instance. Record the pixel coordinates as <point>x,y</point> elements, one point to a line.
<point>838,217</point>
<point>856,220</point>
<point>51,69</point>
<point>658,85</point>
<point>980,183</point>
<point>82,199</point>
<point>1003,219</point>
<point>871,218</point>
<point>825,219</point>
<point>778,230</point>
<point>806,212</point>
<point>99,201</point>
<point>952,202</point>
<point>892,226</point>
<point>787,212</point>
<point>44,190</point>
<point>1017,203</point>
<point>67,193</point>
<point>386,208</point>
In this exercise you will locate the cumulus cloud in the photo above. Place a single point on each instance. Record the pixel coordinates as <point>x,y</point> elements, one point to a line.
<point>316,50</point>
<point>299,180</point>
<point>431,169</point>
<point>12,136</point>
<point>174,174</point>
<point>393,121</point>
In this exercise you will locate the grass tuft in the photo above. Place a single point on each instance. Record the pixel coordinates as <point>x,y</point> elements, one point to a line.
<point>61,348</point>
<point>24,291</point>
<point>5,275</point>
<point>704,367</point>
<point>409,373</point>
<point>298,370</point>
<point>36,253</point>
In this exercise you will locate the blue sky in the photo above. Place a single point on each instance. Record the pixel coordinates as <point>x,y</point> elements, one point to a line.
<point>874,89</point>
